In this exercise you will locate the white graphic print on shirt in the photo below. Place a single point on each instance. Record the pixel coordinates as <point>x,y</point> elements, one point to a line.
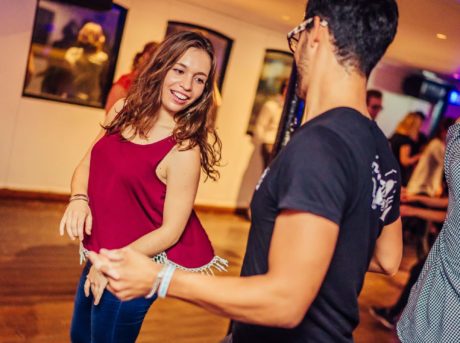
<point>384,189</point>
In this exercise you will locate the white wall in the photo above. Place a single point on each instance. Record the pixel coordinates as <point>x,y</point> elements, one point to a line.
<point>41,141</point>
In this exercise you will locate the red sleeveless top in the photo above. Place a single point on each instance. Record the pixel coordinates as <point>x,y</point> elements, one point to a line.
<point>127,198</point>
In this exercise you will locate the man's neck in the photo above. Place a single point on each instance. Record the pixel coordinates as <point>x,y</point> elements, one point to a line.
<point>335,88</point>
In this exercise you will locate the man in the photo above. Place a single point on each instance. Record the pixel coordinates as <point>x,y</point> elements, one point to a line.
<point>325,211</point>
<point>374,102</point>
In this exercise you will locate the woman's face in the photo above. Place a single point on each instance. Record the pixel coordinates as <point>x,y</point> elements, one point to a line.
<point>185,81</point>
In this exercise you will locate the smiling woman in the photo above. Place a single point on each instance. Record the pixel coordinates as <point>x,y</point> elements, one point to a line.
<point>139,181</point>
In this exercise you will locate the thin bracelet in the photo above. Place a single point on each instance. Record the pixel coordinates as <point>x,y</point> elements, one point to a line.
<point>156,282</point>
<point>79,195</point>
<point>78,198</point>
<point>164,285</point>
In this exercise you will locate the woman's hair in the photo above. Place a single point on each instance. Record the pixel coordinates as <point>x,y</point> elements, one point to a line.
<point>410,124</point>
<point>194,124</point>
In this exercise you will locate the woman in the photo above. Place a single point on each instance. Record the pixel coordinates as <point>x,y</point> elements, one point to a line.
<point>404,144</point>
<point>121,87</point>
<point>432,312</point>
<point>137,185</point>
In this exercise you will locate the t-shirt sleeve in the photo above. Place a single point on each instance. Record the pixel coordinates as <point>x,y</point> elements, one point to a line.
<point>316,176</point>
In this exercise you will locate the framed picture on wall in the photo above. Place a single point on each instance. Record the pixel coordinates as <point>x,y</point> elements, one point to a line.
<point>273,81</point>
<point>221,43</point>
<point>73,53</point>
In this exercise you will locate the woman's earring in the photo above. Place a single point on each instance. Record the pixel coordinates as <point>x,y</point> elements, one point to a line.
<point>188,115</point>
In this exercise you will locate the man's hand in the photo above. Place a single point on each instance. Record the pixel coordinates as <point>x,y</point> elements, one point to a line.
<point>130,274</point>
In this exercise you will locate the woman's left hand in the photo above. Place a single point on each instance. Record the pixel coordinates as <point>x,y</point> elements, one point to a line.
<point>95,282</point>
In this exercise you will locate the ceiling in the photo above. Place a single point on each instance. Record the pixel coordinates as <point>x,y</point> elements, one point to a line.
<point>415,45</point>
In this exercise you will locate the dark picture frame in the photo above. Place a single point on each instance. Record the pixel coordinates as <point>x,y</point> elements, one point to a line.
<point>221,43</point>
<point>73,53</point>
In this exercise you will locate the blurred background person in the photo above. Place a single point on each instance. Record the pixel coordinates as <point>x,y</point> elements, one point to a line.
<point>374,100</point>
<point>120,88</point>
<point>426,180</point>
<point>57,77</point>
<point>267,124</point>
<point>88,62</point>
<point>428,174</point>
<point>405,143</point>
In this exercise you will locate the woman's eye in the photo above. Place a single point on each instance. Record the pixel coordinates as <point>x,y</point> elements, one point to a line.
<point>200,80</point>
<point>178,71</point>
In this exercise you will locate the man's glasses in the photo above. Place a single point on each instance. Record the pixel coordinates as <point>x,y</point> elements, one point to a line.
<point>294,36</point>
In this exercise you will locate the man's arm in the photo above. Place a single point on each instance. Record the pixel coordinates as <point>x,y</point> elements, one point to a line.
<point>388,250</point>
<point>301,250</point>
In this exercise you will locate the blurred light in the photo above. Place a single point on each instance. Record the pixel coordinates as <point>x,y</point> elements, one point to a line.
<point>456,76</point>
<point>286,17</point>
<point>441,36</point>
<point>454,97</point>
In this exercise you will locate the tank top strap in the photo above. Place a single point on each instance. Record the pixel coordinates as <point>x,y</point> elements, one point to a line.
<point>163,147</point>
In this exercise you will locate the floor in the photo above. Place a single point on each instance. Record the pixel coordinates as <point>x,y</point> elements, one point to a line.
<point>39,270</point>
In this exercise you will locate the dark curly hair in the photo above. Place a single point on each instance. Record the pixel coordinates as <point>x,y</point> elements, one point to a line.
<point>362,29</point>
<point>194,124</point>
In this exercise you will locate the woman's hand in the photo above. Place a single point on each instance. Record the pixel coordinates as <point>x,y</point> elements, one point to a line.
<point>77,217</point>
<point>131,274</point>
<point>96,283</point>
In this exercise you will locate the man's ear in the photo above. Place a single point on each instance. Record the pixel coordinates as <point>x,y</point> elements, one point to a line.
<point>317,30</point>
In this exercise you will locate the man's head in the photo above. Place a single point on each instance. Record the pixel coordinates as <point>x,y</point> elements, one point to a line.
<point>356,32</point>
<point>374,102</point>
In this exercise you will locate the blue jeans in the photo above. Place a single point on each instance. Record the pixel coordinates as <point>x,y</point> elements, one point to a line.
<point>109,322</point>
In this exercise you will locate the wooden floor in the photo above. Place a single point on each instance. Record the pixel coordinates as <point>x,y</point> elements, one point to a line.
<point>39,271</point>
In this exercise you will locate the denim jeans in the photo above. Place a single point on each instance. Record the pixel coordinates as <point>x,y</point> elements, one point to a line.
<point>109,322</point>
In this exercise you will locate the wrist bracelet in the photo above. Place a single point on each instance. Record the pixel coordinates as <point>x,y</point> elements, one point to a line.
<point>164,285</point>
<point>79,197</point>
<point>156,282</point>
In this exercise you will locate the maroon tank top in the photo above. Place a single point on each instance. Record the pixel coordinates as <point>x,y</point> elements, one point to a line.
<point>127,200</point>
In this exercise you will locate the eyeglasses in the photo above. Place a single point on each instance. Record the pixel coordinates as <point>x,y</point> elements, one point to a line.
<point>294,36</point>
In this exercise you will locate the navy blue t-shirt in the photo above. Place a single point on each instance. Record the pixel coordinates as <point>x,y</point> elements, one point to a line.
<point>338,166</point>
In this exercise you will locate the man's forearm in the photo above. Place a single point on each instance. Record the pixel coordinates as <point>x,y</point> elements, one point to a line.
<point>255,299</point>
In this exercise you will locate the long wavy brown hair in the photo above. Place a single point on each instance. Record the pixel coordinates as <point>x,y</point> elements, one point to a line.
<point>194,124</point>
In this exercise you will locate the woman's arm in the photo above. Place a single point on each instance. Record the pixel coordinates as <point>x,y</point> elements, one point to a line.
<point>405,156</point>
<point>77,215</point>
<point>182,178</point>
<point>423,213</point>
<point>426,200</point>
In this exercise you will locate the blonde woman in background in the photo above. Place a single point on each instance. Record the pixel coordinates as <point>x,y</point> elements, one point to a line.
<point>405,143</point>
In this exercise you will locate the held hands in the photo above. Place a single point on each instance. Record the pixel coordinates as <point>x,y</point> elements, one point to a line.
<point>76,217</point>
<point>96,283</point>
<point>130,274</point>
